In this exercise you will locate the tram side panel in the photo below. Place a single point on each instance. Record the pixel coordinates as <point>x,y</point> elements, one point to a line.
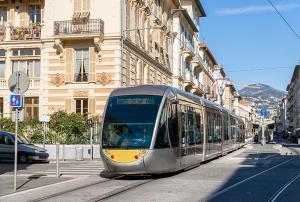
<point>165,156</point>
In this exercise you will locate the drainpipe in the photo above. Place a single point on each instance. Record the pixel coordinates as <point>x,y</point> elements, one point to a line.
<point>121,39</point>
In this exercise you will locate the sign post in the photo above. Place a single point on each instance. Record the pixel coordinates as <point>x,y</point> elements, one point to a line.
<point>263,113</point>
<point>18,84</point>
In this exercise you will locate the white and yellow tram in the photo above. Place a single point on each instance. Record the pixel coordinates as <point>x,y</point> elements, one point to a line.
<point>158,129</point>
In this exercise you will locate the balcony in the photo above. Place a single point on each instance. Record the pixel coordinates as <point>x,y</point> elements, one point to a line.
<point>188,81</point>
<point>76,28</point>
<point>198,88</point>
<point>31,32</point>
<point>187,49</point>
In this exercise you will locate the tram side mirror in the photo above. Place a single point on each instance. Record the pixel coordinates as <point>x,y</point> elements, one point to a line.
<point>174,100</point>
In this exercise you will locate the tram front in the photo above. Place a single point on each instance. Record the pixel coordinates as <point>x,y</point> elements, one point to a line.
<point>127,132</point>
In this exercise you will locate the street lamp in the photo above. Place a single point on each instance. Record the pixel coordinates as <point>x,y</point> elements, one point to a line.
<point>89,122</point>
<point>221,87</point>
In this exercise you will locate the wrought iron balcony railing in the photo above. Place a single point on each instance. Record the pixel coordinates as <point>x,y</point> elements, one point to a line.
<point>73,27</point>
<point>81,77</point>
<point>31,32</point>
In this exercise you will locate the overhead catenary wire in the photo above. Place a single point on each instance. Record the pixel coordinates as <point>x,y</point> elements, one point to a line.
<point>286,22</point>
<point>259,69</point>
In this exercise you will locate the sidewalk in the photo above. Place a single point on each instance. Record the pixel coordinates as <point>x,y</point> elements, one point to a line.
<point>38,175</point>
<point>44,190</point>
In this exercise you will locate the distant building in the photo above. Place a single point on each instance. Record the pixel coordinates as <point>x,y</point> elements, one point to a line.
<point>281,123</point>
<point>293,100</point>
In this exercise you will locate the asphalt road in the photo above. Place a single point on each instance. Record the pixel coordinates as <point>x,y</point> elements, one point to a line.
<point>253,174</point>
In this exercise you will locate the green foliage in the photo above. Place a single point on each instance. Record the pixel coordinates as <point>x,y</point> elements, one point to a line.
<point>7,125</point>
<point>69,128</point>
<point>63,128</point>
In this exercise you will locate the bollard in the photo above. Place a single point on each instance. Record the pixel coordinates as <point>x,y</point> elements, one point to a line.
<point>57,161</point>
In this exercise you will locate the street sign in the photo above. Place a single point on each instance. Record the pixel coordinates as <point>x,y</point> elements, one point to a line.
<point>19,114</point>
<point>18,82</point>
<point>44,118</point>
<point>264,112</point>
<point>16,100</point>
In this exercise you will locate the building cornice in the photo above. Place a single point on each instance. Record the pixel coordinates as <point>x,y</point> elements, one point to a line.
<point>200,8</point>
<point>189,20</point>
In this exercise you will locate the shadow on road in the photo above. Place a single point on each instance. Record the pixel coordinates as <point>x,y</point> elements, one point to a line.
<point>262,172</point>
<point>8,166</point>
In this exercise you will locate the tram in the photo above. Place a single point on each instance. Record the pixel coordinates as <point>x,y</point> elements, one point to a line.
<point>154,129</point>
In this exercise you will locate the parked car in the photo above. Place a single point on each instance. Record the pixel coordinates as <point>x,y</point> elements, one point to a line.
<point>26,151</point>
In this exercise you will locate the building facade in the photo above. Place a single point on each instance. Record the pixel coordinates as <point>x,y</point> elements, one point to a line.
<point>281,124</point>
<point>76,56</point>
<point>293,101</point>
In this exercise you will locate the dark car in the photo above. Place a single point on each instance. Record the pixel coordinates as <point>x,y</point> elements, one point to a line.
<point>26,151</point>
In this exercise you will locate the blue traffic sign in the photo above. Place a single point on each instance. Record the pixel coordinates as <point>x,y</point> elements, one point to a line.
<point>264,112</point>
<point>16,100</point>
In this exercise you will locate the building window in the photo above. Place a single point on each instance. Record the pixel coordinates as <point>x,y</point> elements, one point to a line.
<point>82,65</point>
<point>82,106</point>
<point>2,69</point>
<point>3,15</point>
<point>1,107</point>
<point>34,12</point>
<point>25,52</point>
<point>31,108</point>
<point>30,67</point>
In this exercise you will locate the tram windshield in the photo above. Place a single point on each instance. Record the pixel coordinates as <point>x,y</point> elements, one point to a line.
<point>129,121</point>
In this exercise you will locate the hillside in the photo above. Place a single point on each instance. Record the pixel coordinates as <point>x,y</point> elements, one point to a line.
<point>264,97</point>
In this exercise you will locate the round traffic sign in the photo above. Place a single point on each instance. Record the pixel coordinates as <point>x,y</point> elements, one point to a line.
<point>18,82</point>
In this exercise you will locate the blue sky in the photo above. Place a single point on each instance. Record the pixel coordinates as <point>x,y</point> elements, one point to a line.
<point>248,34</point>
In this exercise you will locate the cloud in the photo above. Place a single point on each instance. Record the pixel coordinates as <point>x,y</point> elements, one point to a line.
<point>256,9</point>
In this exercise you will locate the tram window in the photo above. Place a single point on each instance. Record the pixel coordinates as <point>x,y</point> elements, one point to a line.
<point>198,136</point>
<point>183,126</point>
<point>232,126</point>
<point>173,125</point>
<point>210,127</point>
<point>129,121</point>
<point>190,126</point>
<point>226,136</point>
<point>218,128</point>
<point>162,138</point>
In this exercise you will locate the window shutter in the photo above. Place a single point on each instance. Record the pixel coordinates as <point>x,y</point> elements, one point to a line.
<point>77,6</point>
<point>23,15</point>
<point>92,105</point>
<point>85,6</point>
<point>69,65</point>
<point>92,61</point>
<point>68,105</point>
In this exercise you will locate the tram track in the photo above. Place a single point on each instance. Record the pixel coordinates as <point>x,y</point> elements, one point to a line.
<point>75,189</point>
<point>227,189</point>
<point>103,184</point>
<point>283,188</point>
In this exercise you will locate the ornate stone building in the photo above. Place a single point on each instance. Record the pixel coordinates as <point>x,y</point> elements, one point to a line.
<point>78,54</point>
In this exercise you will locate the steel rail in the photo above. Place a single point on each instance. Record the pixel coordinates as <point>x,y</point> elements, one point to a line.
<point>247,179</point>
<point>281,189</point>
<point>121,190</point>
<point>74,189</point>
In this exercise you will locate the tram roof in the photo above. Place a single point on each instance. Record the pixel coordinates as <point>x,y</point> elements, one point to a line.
<point>140,90</point>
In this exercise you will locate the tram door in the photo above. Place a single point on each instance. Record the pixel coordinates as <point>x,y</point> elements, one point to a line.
<point>188,137</point>
<point>183,137</point>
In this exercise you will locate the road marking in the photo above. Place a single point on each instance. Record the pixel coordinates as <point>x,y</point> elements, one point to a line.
<point>245,180</point>
<point>277,194</point>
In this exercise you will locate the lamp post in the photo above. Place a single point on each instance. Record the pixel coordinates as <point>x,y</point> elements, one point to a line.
<point>90,124</point>
<point>221,88</point>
